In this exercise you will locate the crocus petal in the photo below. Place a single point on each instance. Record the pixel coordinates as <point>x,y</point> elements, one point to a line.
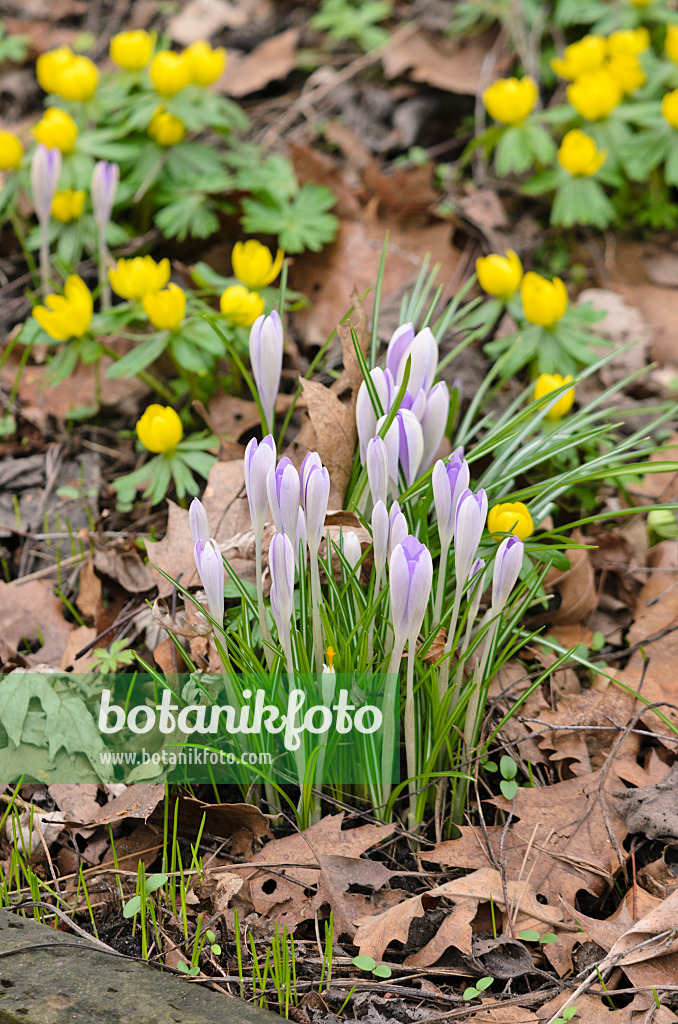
<point>266,353</point>
<point>377,469</point>
<point>197,518</point>
<point>259,460</point>
<point>507,565</point>
<point>380,535</point>
<point>434,421</point>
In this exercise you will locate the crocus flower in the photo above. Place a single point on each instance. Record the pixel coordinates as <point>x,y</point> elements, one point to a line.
<point>45,171</point>
<point>283,489</point>
<point>450,479</point>
<point>281,564</point>
<point>377,469</point>
<point>434,421</point>
<point>197,519</point>
<point>423,350</point>
<point>300,541</point>
<point>468,529</point>
<point>210,566</point>
<point>351,548</point>
<point>315,493</point>
<point>266,353</point>
<point>259,460</point>
<point>365,414</point>
<point>410,578</point>
<point>397,527</point>
<point>380,535</point>
<point>411,444</point>
<point>507,565</point>
<point>105,179</point>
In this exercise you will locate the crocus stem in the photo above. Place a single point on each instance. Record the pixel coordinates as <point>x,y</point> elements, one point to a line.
<point>388,712</point>
<point>410,740</point>
<point>44,261</point>
<point>444,673</point>
<point>103,276</point>
<point>261,609</point>
<point>318,648</point>
<point>440,592</point>
<point>370,632</point>
<point>470,724</point>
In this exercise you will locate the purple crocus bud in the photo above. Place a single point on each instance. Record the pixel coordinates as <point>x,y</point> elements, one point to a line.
<point>282,487</point>
<point>281,564</point>
<point>197,518</point>
<point>450,479</point>
<point>266,353</point>
<point>210,566</point>
<point>468,529</point>
<point>45,171</point>
<point>410,444</point>
<point>105,180</point>
<point>350,546</point>
<point>410,579</point>
<point>365,415</point>
<point>259,460</point>
<point>300,540</point>
<point>397,526</point>
<point>415,403</point>
<point>422,347</point>
<point>380,535</point>
<point>507,565</point>
<point>434,421</point>
<point>315,494</point>
<point>377,469</point>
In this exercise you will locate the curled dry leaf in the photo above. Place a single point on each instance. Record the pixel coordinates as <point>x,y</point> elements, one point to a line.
<point>179,625</point>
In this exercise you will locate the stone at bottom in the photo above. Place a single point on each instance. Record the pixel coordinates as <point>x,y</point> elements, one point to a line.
<point>66,985</point>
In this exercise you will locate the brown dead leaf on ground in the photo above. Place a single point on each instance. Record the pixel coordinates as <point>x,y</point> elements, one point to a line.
<point>271,61</point>
<point>121,561</point>
<point>79,637</point>
<point>231,417</point>
<point>89,599</point>
<point>443,64</point>
<point>559,839</point>
<point>335,430</point>
<point>221,820</point>
<point>31,608</point>
<point>652,811</point>
<point>76,390</point>
<point>505,1015</point>
<point>575,587</point>
<point>137,801</point>
<point>202,19</point>
<point>321,168</point>
<point>404,191</point>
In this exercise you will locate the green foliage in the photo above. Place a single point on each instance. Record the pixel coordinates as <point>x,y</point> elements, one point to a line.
<point>109,661</point>
<point>480,986</point>
<point>13,47</point>
<point>177,467</point>
<point>354,19</point>
<point>368,963</point>
<point>300,221</point>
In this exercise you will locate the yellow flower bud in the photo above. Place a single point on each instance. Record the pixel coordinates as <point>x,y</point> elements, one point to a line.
<point>56,129</point>
<point>500,275</point>
<point>670,108</point>
<point>68,205</point>
<point>132,279</point>
<point>627,69</point>
<point>640,3</point>
<point>160,429</point>
<point>240,306</point>
<point>510,100</point>
<point>166,129</point>
<point>547,383</point>
<point>77,80</point>
<point>595,94</point>
<point>49,66</point>
<point>165,309</point>
<point>169,72</point>
<point>11,151</point>
<point>511,517</point>
<point>578,58</point>
<point>132,50</point>
<point>68,315</point>
<point>579,155</point>
<point>254,265</point>
<point>206,64</point>
<point>629,40</point>
<point>544,302</point>
<point>671,43</point>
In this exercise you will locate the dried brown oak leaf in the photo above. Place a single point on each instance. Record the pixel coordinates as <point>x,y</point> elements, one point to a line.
<point>31,611</point>
<point>558,839</point>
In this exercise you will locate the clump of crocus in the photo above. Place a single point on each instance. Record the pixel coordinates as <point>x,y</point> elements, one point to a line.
<point>546,385</point>
<point>69,315</point>
<point>450,480</point>
<point>266,353</point>
<point>510,517</point>
<point>259,460</point>
<point>254,265</point>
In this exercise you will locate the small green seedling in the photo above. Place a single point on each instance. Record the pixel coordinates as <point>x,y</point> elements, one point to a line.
<point>530,935</point>
<point>108,661</point>
<point>475,990</point>
<point>212,939</point>
<point>568,1014</point>
<point>368,963</point>
<point>192,970</point>
<point>133,906</point>
<point>509,770</point>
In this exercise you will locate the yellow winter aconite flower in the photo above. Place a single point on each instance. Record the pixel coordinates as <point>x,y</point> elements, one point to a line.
<point>11,151</point>
<point>671,43</point>
<point>585,55</point>
<point>254,265</point>
<point>68,315</point>
<point>78,80</point>
<point>165,309</point>
<point>160,429</point>
<point>595,94</point>
<point>132,279</point>
<point>49,66</point>
<point>670,108</point>
<point>132,50</point>
<point>627,69</point>
<point>500,275</point>
<point>68,204</point>
<point>166,129</point>
<point>511,517</point>
<point>629,40</point>
<point>56,129</point>
<point>579,155</point>
<point>169,72</point>
<point>544,302</point>
<point>240,306</point>
<point>510,100</point>
<point>206,64</point>
<point>547,383</point>
<point>640,3</point>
